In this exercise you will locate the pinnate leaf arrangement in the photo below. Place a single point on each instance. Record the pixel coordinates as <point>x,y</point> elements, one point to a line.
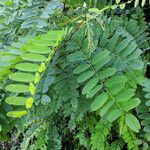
<point>84,85</point>
<point>35,58</point>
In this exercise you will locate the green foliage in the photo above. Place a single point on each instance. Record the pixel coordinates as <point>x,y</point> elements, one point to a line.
<point>143,109</point>
<point>29,78</point>
<point>143,2</point>
<point>99,136</point>
<point>25,17</point>
<point>78,87</point>
<point>128,136</point>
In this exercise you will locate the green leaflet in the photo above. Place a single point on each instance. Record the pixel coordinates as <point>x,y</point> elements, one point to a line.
<point>136,3</point>
<point>42,67</point>
<point>145,122</point>
<point>113,115</point>
<point>137,64</point>
<point>16,114</point>
<point>145,116</point>
<point>33,57</point>
<point>36,49</point>
<point>115,84</point>
<point>90,85</point>
<point>81,68</point>
<point>16,100</point>
<point>147,129</point>
<point>100,56</point>
<point>134,55</point>
<point>41,42</point>
<point>115,79</point>
<point>32,88</point>
<point>36,78</point>
<point>147,103</point>
<point>122,45</point>
<point>143,2</point>
<point>106,73</point>
<point>21,77</point>
<point>129,49</point>
<point>113,40</point>
<point>53,35</point>
<point>125,95</point>
<point>146,85</point>
<point>27,67</point>
<point>106,107</point>
<point>17,88</point>
<point>76,56</point>
<point>132,122</point>
<point>102,62</point>
<point>45,99</point>
<point>94,91</point>
<point>132,103</point>
<point>99,101</point>
<point>29,102</point>
<point>147,95</point>
<point>122,6</point>
<point>116,88</point>
<point>85,76</point>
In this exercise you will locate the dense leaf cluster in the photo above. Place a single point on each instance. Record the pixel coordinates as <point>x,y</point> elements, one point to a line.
<point>79,87</point>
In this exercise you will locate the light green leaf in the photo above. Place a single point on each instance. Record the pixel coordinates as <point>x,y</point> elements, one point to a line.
<point>94,10</point>
<point>100,56</point>
<point>143,3</point>
<point>16,114</point>
<point>122,6</point>
<point>123,44</point>
<point>28,67</point>
<point>106,107</point>
<point>16,100</point>
<point>29,102</point>
<point>107,72</point>
<point>76,56</point>
<point>115,84</point>
<point>84,76</point>
<point>37,78</point>
<point>136,3</point>
<point>117,1</point>
<point>42,67</point>
<point>147,129</point>
<point>33,57</point>
<point>81,68</point>
<point>147,103</point>
<point>38,41</point>
<point>54,34</point>
<point>113,115</point>
<point>132,103</point>
<point>94,91</point>
<point>125,95</point>
<point>17,88</point>
<point>37,49</point>
<point>32,88</point>
<point>102,62</point>
<point>132,122</point>
<point>90,85</point>
<point>21,77</point>
<point>99,101</point>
